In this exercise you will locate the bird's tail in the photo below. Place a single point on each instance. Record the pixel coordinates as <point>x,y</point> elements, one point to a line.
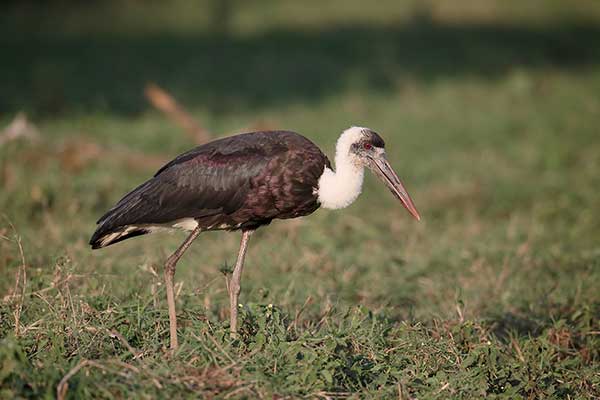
<point>123,221</point>
<point>103,237</point>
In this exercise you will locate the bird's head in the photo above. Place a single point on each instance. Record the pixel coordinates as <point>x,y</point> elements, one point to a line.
<point>365,148</point>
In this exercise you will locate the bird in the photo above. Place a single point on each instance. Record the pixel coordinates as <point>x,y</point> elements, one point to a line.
<point>243,182</point>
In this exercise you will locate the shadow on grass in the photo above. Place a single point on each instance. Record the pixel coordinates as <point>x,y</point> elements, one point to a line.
<point>509,324</point>
<point>533,324</point>
<point>220,72</point>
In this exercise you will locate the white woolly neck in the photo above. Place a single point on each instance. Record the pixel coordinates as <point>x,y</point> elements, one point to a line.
<point>339,188</point>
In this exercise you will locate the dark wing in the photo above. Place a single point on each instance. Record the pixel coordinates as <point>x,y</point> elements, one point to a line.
<point>209,180</point>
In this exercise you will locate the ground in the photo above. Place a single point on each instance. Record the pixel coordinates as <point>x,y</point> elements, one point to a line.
<point>490,114</point>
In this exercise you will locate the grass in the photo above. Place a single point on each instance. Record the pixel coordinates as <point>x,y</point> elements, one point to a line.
<point>490,115</point>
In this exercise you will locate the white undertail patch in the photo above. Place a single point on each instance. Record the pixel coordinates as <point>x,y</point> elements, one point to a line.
<point>112,237</point>
<point>187,224</point>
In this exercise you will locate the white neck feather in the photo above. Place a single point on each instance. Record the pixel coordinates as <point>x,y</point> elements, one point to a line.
<point>339,188</point>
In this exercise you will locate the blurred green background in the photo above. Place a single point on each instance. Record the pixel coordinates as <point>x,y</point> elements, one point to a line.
<point>491,115</point>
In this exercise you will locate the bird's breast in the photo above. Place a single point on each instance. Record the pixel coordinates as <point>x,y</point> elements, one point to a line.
<point>286,188</point>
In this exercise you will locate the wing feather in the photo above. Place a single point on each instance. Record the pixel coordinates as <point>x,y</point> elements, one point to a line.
<point>198,184</point>
<point>242,179</point>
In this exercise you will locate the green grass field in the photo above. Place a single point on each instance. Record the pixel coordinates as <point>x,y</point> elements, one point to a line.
<point>491,115</point>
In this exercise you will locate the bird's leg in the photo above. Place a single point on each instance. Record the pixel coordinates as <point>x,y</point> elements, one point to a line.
<point>236,278</point>
<point>169,274</point>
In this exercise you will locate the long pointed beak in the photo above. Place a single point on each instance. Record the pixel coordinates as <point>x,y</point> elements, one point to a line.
<point>384,171</point>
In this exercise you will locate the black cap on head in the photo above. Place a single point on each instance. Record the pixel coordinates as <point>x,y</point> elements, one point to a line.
<point>374,138</point>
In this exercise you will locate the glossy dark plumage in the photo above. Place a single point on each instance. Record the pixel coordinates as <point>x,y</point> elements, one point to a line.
<point>238,182</point>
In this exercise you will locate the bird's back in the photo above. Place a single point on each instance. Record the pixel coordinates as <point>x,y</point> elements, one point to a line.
<point>238,182</point>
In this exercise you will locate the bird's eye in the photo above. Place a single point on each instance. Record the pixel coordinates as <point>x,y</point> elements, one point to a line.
<point>367,146</point>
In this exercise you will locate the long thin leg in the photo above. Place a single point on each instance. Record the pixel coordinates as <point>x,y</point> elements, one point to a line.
<point>234,285</point>
<point>169,274</point>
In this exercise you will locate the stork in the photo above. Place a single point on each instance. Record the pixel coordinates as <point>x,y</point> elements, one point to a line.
<point>240,183</point>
